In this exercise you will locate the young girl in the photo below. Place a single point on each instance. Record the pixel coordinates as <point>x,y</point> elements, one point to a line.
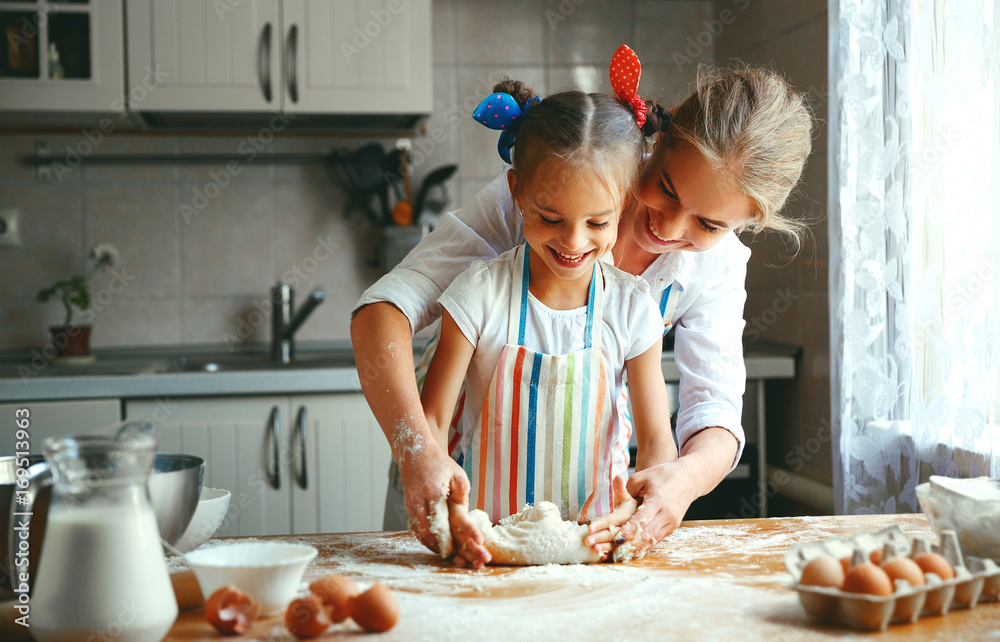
<point>544,334</point>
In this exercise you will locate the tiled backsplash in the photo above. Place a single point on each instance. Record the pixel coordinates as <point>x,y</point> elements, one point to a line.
<point>199,278</point>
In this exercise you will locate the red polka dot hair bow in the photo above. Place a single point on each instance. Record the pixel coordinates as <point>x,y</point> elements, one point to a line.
<point>501,111</point>
<point>625,70</point>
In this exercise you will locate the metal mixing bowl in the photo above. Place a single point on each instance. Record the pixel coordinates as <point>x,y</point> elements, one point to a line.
<point>174,488</point>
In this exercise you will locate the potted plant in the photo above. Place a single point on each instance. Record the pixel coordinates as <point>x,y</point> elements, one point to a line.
<point>74,340</point>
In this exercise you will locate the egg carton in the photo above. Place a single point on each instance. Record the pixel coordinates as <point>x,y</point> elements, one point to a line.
<point>976,580</point>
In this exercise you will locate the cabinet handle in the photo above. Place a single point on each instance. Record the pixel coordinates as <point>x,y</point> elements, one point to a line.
<point>300,436</point>
<point>264,62</point>
<point>291,63</point>
<point>273,471</point>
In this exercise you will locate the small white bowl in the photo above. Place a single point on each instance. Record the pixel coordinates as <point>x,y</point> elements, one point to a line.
<point>269,572</point>
<point>212,506</point>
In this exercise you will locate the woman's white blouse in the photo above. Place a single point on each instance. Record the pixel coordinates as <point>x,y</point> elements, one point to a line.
<point>707,320</point>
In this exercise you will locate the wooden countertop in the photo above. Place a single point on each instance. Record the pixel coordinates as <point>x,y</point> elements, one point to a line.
<point>710,580</point>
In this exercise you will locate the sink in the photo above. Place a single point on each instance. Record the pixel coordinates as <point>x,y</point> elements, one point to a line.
<point>245,363</point>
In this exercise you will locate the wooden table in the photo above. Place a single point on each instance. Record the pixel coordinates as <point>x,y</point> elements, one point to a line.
<point>712,580</point>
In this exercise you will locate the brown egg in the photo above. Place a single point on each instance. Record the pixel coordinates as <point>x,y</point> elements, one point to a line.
<point>903,568</point>
<point>867,578</point>
<point>875,557</point>
<point>307,617</point>
<point>823,571</point>
<point>935,563</point>
<point>376,609</point>
<point>845,563</point>
<point>335,591</point>
<point>230,610</point>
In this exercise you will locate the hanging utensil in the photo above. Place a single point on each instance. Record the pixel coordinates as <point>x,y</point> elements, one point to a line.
<point>435,178</point>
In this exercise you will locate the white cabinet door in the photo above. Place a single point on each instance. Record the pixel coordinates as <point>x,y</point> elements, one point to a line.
<point>357,56</point>
<point>56,419</point>
<point>207,56</point>
<point>88,39</point>
<point>346,462</point>
<point>243,442</point>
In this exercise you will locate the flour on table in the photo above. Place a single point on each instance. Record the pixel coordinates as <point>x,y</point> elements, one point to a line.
<point>535,535</point>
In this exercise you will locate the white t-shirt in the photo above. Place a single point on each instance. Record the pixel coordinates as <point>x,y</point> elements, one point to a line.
<point>707,322</point>
<point>478,300</point>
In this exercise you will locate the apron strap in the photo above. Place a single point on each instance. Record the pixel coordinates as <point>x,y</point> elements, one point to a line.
<point>595,308</point>
<point>517,315</point>
<point>668,305</point>
<point>663,301</point>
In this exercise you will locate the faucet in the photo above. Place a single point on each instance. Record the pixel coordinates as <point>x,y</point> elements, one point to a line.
<point>283,324</point>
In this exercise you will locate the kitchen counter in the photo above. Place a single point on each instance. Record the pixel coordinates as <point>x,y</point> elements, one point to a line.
<point>713,580</point>
<point>188,371</point>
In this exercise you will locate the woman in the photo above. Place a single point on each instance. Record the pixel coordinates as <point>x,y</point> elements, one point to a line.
<point>725,159</point>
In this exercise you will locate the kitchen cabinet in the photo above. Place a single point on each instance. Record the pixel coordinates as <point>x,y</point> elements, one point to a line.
<point>56,419</point>
<point>293,56</point>
<point>361,56</point>
<point>85,36</point>
<point>294,464</point>
<point>212,56</point>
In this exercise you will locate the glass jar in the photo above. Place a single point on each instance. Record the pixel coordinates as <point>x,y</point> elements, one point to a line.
<point>103,574</point>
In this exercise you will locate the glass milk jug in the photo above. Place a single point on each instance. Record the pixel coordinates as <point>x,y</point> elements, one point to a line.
<point>102,575</point>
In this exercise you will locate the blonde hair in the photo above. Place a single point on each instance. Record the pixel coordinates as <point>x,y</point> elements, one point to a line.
<point>583,132</point>
<point>746,121</point>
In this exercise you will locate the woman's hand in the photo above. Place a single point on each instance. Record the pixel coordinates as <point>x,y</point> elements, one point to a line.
<point>603,530</point>
<point>665,492</point>
<point>428,477</point>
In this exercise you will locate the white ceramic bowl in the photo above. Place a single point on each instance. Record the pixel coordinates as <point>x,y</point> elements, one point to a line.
<point>269,572</point>
<point>212,506</point>
<point>970,507</point>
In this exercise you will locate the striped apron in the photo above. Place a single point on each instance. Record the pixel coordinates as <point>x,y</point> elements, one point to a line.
<point>668,304</point>
<point>547,429</point>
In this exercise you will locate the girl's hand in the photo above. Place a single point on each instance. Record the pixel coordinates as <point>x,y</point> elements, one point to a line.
<point>465,537</point>
<point>665,492</point>
<point>604,529</point>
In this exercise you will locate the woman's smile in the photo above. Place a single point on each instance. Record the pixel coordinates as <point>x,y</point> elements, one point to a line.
<point>656,235</point>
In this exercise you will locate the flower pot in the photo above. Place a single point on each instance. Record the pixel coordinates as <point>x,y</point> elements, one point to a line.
<point>71,340</point>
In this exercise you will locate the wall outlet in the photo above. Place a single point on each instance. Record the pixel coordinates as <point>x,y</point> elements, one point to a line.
<point>9,233</point>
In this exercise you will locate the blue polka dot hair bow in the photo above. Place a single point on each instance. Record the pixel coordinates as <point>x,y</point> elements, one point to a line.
<point>501,111</point>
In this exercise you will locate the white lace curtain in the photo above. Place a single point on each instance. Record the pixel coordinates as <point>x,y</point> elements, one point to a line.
<point>914,223</point>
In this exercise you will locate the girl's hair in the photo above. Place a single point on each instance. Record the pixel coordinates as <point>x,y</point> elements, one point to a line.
<point>591,132</point>
<point>745,121</point>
